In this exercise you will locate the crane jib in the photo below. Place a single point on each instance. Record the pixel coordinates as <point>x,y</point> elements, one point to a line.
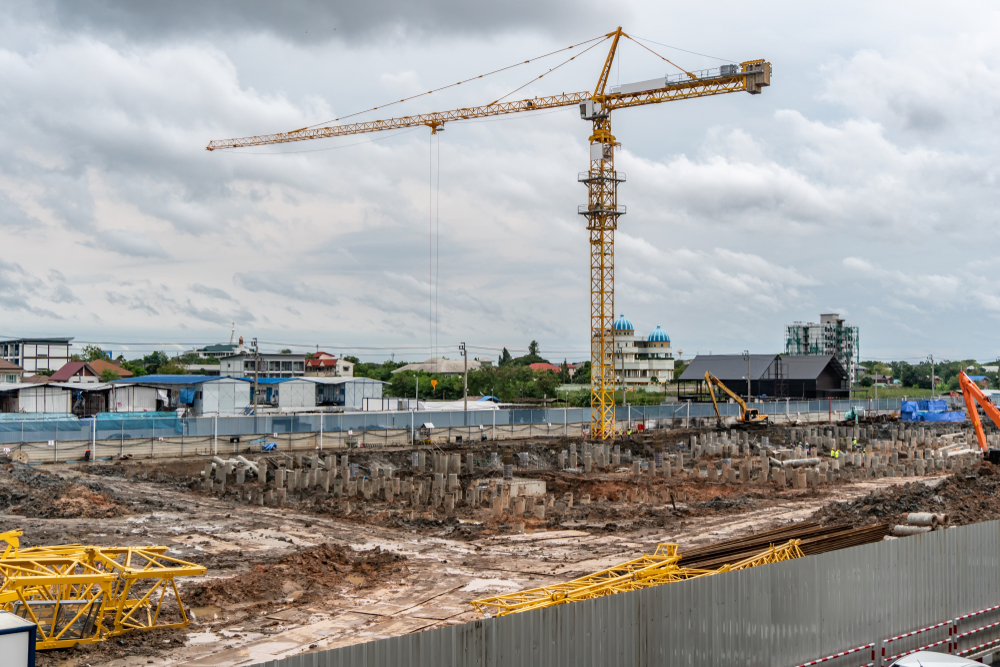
<point>752,78</point>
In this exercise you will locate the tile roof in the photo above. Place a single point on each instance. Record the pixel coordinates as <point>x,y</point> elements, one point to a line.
<point>9,366</point>
<point>100,365</point>
<point>71,369</point>
<point>543,366</point>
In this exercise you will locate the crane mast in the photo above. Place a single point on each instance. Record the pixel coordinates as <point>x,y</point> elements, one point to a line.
<point>602,209</point>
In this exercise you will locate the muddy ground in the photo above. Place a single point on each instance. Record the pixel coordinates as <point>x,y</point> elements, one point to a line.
<point>308,576</point>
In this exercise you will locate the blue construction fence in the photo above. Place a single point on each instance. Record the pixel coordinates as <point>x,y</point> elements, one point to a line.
<point>18,428</point>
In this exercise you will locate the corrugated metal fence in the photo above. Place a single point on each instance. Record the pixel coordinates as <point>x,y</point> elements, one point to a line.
<point>780,615</point>
<point>41,428</point>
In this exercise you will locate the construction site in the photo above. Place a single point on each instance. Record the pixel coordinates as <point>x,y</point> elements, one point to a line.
<point>752,531</point>
<point>257,558</point>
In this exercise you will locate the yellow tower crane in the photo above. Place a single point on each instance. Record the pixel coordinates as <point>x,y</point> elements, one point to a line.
<point>602,208</point>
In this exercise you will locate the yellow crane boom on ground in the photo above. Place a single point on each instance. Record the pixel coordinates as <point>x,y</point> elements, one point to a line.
<point>748,416</point>
<point>602,209</point>
<point>643,572</point>
<point>79,594</point>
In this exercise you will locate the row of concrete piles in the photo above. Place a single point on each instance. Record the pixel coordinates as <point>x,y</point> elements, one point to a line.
<point>336,476</point>
<point>898,451</point>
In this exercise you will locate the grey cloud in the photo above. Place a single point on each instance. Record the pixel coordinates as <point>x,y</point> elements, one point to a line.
<point>130,302</point>
<point>63,294</point>
<point>319,21</point>
<point>214,316</point>
<point>16,288</point>
<point>128,243</point>
<point>213,292</point>
<point>281,285</point>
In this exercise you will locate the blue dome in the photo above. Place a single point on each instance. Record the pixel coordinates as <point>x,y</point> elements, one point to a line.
<point>659,336</point>
<point>622,324</point>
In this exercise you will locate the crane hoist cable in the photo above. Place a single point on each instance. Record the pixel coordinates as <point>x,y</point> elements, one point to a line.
<point>602,209</point>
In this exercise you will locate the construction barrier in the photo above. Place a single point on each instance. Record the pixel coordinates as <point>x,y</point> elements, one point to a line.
<point>868,647</point>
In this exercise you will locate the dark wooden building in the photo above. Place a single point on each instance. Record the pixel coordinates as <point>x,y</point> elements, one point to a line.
<point>771,376</point>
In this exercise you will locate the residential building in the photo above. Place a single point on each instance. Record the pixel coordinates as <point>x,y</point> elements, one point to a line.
<point>441,366</point>
<point>36,354</point>
<point>544,366</point>
<point>10,372</point>
<point>76,372</point>
<point>324,364</point>
<point>831,336</point>
<point>639,361</point>
<point>219,350</point>
<point>772,375</point>
<point>276,365</point>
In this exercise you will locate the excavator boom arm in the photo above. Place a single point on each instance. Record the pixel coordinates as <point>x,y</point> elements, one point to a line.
<point>712,380</point>
<point>973,395</point>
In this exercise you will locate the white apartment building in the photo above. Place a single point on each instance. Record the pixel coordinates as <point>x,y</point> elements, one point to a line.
<point>36,354</point>
<point>271,365</point>
<point>643,361</point>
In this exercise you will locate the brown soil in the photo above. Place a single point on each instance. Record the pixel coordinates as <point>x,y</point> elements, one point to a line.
<point>150,644</point>
<point>31,493</point>
<point>966,497</point>
<point>306,575</point>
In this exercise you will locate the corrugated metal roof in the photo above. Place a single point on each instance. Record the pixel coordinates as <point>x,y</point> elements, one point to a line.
<point>809,366</point>
<point>80,386</point>
<point>175,379</point>
<point>728,366</point>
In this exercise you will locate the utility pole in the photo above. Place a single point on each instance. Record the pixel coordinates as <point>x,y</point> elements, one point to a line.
<point>746,355</point>
<point>256,374</point>
<point>465,381</point>
<point>930,358</point>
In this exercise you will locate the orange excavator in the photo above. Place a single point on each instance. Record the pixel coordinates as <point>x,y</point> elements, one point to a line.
<point>973,395</point>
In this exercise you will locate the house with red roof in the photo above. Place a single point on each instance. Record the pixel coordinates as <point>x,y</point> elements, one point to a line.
<point>76,372</point>
<point>544,366</point>
<point>324,364</point>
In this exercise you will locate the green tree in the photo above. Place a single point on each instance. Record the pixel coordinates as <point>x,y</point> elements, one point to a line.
<point>92,353</point>
<point>109,375</point>
<point>286,351</point>
<point>134,367</point>
<point>533,348</point>
<point>505,358</point>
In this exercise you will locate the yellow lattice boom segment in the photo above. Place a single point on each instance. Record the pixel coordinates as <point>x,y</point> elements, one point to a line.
<point>644,572</point>
<point>80,594</point>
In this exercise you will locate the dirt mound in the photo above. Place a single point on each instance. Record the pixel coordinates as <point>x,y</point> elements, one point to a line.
<point>967,497</point>
<point>301,576</point>
<point>32,493</point>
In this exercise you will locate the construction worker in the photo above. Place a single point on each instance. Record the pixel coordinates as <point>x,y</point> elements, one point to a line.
<point>835,453</point>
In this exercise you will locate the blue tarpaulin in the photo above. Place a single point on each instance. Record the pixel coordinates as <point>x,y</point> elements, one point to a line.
<point>187,396</point>
<point>929,411</point>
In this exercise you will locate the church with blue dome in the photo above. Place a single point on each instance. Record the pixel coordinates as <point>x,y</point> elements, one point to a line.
<point>644,360</point>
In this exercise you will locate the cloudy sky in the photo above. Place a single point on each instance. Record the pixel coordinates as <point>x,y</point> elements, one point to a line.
<point>863,181</point>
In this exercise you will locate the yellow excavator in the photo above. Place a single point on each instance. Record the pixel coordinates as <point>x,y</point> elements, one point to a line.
<point>748,416</point>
